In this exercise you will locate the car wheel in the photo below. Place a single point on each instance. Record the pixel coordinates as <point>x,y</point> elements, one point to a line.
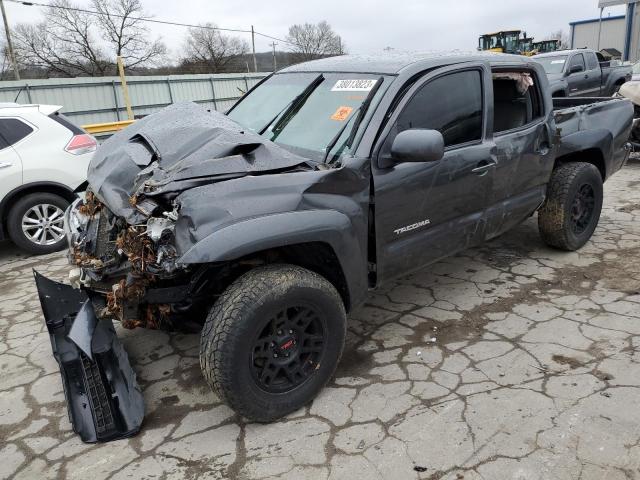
<point>272,341</point>
<point>571,212</point>
<point>36,223</point>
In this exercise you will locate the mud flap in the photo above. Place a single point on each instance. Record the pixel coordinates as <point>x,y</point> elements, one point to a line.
<point>103,397</point>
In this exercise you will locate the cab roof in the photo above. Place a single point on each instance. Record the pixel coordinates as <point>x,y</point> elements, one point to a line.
<point>393,64</point>
<point>564,52</point>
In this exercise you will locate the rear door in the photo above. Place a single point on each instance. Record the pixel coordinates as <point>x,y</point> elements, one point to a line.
<point>593,75</point>
<point>578,81</point>
<point>10,162</point>
<point>426,211</point>
<point>523,151</point>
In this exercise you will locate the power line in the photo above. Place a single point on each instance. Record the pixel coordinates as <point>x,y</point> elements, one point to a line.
<point>149,20</point>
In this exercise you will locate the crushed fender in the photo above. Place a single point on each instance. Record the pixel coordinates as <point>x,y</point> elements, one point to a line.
<point>103,397</point>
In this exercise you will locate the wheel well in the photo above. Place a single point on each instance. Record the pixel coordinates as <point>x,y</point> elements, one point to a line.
<point>318,257</point>
<point>20,192</point>
<point>591,155</point>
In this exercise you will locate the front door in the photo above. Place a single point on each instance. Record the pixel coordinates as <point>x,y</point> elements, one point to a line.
<point>426,211</point>
<point>578,81</point>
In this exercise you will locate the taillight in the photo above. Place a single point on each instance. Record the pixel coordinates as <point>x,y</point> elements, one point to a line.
<point>80,144</point>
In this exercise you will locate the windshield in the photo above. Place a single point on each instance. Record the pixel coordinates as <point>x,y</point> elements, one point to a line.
<point>553,64</point>
<point>307,122</point>
<point>487,42</point>
<point>511,42</point>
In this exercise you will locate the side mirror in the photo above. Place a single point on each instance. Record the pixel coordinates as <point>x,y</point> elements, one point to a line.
<point>576,69</point>
<point>418,145</point>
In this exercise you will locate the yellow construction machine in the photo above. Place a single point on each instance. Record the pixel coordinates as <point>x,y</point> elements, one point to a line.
<point>517,42</point>
<point>507,41</point>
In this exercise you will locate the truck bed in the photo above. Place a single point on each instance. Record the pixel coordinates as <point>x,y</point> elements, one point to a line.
<point>602,121</point>
<point>561,103</point>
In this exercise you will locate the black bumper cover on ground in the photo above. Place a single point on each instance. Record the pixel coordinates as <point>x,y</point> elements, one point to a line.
<point>104,399</point>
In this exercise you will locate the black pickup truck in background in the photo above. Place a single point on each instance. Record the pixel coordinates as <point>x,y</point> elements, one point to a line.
<point>582,73</point>
<point>264,228</point>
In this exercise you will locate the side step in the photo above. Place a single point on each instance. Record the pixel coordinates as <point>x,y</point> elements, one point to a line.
<point>103,397</point>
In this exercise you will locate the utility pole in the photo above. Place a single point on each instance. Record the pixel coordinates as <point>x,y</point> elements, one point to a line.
<point>275,64</point>
<point>125,89</point>
<point>599,29</point>
<point>12,55</point>
<point>253,44</point>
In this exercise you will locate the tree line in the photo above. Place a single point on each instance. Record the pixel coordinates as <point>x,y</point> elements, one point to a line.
<point>70,42</point>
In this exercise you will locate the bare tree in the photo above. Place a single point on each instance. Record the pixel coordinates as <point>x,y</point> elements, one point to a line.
<point>211,49</point>
<point>63,44</point>
<point>315,40</point>
<point>122,26</point>
<point>71,42</point>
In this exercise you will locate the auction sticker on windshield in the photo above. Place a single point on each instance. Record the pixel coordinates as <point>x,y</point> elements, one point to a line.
<point>355,85</point>
<point>554,62</point>
<point>342,113</point>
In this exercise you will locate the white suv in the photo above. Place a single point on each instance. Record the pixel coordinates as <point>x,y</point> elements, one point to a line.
<point>43,165</point>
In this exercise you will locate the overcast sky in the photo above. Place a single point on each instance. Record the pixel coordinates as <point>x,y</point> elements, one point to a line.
<point>366,27</point>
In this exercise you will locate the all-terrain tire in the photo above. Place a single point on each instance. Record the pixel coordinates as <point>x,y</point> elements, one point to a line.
<point>251,309</point>
<point>15,222</point>
<point>571,211</point>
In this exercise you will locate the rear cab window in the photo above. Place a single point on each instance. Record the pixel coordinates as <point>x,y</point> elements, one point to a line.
<point>592,61</point>
<point>517,100</point>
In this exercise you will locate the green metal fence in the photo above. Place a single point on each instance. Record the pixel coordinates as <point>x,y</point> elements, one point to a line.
<point>100,100</point>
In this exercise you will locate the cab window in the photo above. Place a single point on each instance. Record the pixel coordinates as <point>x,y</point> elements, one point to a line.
<point>517,100</point>
<point>577,60</point>
<point>451,104</point>
<point>592,61</point>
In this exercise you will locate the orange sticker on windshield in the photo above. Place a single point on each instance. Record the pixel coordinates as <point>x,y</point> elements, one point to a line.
<point>342,113</point>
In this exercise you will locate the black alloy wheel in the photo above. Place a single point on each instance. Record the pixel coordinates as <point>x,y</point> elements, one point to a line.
<point>288,349</point>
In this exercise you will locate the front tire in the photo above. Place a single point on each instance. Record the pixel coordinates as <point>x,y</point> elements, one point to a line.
<point>36,223</point>
<point>273,340</point>
<point>571,212</point>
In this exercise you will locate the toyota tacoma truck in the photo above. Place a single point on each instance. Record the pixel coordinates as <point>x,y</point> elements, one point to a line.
<point>263,228</point>
<point>582,73</point>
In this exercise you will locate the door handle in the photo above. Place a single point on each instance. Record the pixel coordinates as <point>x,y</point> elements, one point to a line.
<point>6,164</point>
<point>543,144</point>
<point>483,167</point>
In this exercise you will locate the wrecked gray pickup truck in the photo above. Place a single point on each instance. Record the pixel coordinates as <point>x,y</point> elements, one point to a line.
<point>265,227</point>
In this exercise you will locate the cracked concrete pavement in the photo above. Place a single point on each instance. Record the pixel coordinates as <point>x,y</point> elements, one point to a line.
<point>509,361</point>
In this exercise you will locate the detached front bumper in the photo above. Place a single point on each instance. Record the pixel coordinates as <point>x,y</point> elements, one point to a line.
<point>103,397</point>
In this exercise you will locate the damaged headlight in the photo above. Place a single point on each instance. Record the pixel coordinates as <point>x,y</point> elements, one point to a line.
<point>161,232</point>
<point>74,221</point>
<point>159,227</point>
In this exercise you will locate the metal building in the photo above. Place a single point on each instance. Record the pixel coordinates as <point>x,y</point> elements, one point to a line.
<point>584,33</point>
<point>620,32</point>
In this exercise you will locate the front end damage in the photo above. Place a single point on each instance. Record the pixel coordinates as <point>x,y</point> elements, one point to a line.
<point>103,397</point>
<point>153,195</point>
<point>129,268</point>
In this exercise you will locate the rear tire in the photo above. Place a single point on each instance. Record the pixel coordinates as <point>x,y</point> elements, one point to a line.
<point>29,210</point>
<point>272,341</point>
<point>571,212</point>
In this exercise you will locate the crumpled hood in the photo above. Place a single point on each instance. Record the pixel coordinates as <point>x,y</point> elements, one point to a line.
<point>181,147</point>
